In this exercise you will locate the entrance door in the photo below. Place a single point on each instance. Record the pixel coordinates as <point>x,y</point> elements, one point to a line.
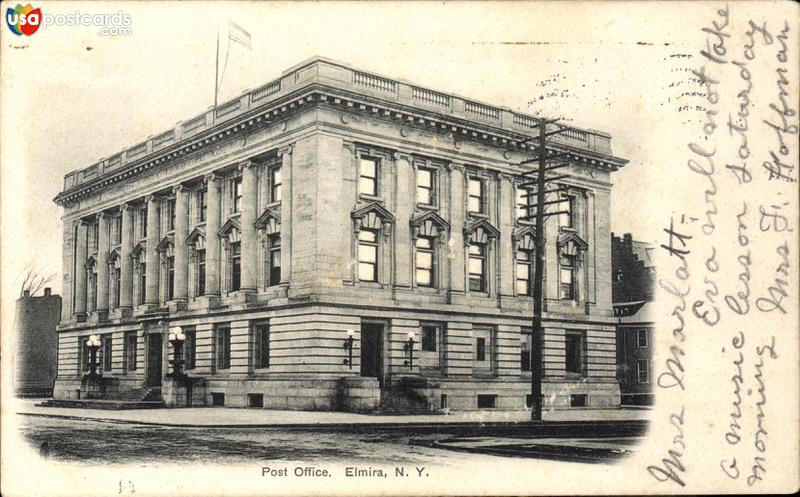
<point>155,343</point>
<point>371,349</point>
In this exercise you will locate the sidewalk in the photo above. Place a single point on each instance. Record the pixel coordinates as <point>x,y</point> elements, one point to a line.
<point>229,417</point>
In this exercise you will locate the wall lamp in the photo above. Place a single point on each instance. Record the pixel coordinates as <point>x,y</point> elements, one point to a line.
<point>409,347</point>
<point>94,344</point>
<point>348,345</point>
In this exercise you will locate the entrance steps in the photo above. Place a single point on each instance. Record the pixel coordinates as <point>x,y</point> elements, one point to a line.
<point>113,405</point>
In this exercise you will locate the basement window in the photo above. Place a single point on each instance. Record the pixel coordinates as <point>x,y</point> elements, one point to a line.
<point>487,401</point>
<point>255,400</point>
<point>217,399</point>
<point>578,400</point>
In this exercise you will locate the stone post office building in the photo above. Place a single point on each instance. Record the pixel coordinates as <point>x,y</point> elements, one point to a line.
<point>328,200</point>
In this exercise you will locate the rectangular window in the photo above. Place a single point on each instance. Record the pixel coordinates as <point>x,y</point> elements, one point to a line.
<point>275,184</point>
<point>641,339</point>
<point>426,186</point>
<point>274,242</point>
<point>116,278</point>
<point>429,338</point>
<point>477,267</point>
<point>368,255</point>
<point>190,348</point>
<point>526,344</point>
<point>201,272</point>
<point>567,279</point>
<point>223,347</point>
<point>142,281</point>
<point>487,401</point>
<point>236,194</point>
<point>117,230</point>
<point>575,345</point>
<point>83,354</point>
<point>94,232</point>
<point>368,176</point>
<point>643,371</point>
<point>475,195</point>
<point>480,349</point>
<point>170,278</point>
<point>567,205</point>
<point>170,214</point>
<point>425,261</point>
<point>523,272</point>
<point>524,203</point>
<point>202,205</point>
<point>143,222</point>
<point>130,344</point>
<point>236,266</point>
<point>107,352</point>
<point>261,345</point>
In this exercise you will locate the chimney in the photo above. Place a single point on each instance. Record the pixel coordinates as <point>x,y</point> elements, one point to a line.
<point>46,292</point>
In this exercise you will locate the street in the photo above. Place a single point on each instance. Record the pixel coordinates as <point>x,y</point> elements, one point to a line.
<point>112,441</point>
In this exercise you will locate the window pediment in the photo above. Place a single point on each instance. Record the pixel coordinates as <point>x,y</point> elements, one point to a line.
<point>571,245</point>
<point>269,221</point>
<point>524,237</point>
<point>138,251</point>
<point>229,226</point>
<point>429,223</point>
<point>113,257</point>
<point>372,216</point>
<point>90,262</point>
<point>197,235</point>
<point>479,230</point>
<point>166,244</point>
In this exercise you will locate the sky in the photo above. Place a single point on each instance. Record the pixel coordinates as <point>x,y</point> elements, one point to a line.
<point>71,96</point>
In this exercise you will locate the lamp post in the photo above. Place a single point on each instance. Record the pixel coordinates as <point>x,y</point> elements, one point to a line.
<point>409,347</point>
<point>348,345</point>
<point>176,338</point>
<point>94,344</point>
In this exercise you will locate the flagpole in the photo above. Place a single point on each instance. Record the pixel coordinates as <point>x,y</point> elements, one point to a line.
<point>216,72</point>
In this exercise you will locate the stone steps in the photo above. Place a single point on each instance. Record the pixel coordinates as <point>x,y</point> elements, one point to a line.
<point>113,405</point>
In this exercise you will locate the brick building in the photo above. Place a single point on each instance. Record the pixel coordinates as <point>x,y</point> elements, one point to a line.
<point>634,275</point>
<point>327,203</point>
<point>36,344</point>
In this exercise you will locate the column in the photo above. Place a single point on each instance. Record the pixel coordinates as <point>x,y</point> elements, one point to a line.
<point>125,263</point>
<point>151,288</point>
<point>102,266</point>
<point>248,222</point>
<point>285,154</point>
<point>80,271</point>
<point>404,208</point>
<point>506,224</point>
<point>212,239</point>
<point>455,246</point>
<point>181,248</point>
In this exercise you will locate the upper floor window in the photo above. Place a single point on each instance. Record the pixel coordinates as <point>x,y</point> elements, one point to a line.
<point>117,237</point>
<point>274,245</point>
<point>426,186</point>
<point>641,339</point>
<point>425,261</point>
<point>523,205</point>
<point>368,176</point>
<point>94,236</point>
<point>567,278</point>
<point>143,222</point>
<point>567,209</point>
<point>477,267</point>
<point>523,272</point>
<point>170,214</point>
<point>170,278</point>
<point>575,352</point>
<point>142,290</point>
<point>201,272</point>
<point>236,266</point>
<point>236,194</point>
<point>275,184</point>
<point>202,205</point>
<point>476,195</point>
<point>368,255</point>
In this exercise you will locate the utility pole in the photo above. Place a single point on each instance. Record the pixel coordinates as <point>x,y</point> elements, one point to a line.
<point>540,183</point>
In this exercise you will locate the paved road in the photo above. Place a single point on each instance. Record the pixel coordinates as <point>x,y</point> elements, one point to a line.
<point>115,442</point>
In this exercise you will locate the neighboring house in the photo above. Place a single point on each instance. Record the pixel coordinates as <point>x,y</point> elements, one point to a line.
<point>330,201</point>
<point>634,276</point>
<point>36,344</point>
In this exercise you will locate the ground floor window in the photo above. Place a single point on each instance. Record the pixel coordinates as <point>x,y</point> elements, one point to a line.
<point>643,371</point>
<point>107,343</point>
<point>575,351</point>
<point>189,348</point>
<point>131,341</point>
<point>526,342</point>
<point>223,347</point>
<point>261,336</point>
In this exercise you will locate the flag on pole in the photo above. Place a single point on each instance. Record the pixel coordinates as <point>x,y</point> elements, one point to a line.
<point>239,35</point>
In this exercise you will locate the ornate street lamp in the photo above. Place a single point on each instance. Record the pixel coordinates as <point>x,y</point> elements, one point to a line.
<point>348,345</point>
<point>409,347</point>
<point>94,344</point>
<point>176,338</point>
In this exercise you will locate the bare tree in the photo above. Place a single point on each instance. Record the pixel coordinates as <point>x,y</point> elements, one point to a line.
<point>34,279</point>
